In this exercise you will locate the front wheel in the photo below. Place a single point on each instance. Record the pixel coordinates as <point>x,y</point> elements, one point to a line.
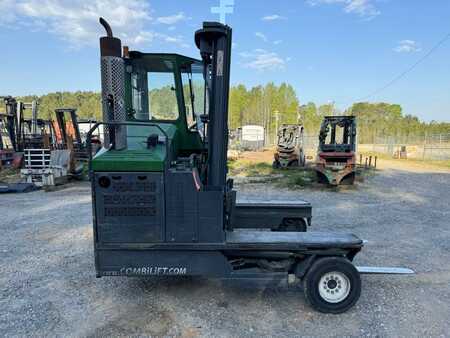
<point>332,285</point>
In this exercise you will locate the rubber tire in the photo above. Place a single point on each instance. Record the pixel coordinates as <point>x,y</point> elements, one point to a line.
<point>321,178</point>
<point>317,270</point>
<point>293,164</point>
<point>293,225</point>
<point>349,179</point>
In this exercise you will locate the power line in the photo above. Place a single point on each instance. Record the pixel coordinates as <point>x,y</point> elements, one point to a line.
<point>408,70</point>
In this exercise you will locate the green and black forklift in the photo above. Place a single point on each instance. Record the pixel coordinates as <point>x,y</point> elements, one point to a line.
<point>162,203</point>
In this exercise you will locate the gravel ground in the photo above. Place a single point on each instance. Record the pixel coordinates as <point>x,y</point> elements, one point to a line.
<point>48,286</point>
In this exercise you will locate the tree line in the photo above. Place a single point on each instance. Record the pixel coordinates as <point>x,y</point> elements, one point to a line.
<point>270,106</point>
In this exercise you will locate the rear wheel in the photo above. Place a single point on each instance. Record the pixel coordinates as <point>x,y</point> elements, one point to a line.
<point>293,224</point>
<point>332,285</point>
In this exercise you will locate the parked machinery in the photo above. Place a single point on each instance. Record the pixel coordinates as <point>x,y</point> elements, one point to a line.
<point>289,152</point>
<point>27,133</point>
<point>23,133</point>
<point>51,151</point>
<point>8,139</point>
<point>36,133</point>
<point>336,159</point>
<point>49,164</point>
<point>69,133</point>
<point>162,202</point>
<point>400,153</point>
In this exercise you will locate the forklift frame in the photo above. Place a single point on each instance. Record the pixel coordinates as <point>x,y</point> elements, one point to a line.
<point>165,220</point>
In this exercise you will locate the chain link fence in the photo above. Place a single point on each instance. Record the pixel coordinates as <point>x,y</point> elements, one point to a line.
<point>428,147</point>
<point>419,147</point>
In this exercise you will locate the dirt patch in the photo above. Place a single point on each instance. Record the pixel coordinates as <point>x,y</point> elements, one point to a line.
<point>263,156</point>
<point>415,166</point>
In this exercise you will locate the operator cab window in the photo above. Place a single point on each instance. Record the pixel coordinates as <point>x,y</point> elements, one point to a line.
<point>162,96</point>
<point>154,91</point>
<point>335,134</point>
<point>194,94</point>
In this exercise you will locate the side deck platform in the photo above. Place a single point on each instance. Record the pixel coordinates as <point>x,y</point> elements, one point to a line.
<point>269,214</point>
<point>295,240</point>
<point>215,259</point>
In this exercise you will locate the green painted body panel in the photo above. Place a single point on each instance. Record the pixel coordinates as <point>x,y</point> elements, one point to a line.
<point>137,157</point>
<point>130,160</point>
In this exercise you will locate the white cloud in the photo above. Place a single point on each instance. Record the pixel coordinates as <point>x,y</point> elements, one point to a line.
<point>261,60</point>
<point>273,17</point>
<point>277,42</point>
<point>148,37</point>
<point>6,15</point>
<point>76,21</point>
<point>407,46</point>
<point>261,36</point>
<point>141,38</point>
<point>362,8</point>
<point>172,19</point>
<point>178,40</point>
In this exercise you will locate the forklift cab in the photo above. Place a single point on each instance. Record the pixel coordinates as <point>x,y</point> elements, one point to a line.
<point>167,88</point>
<point>337,134</point>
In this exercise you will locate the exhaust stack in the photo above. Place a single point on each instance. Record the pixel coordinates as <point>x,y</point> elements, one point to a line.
<point>113,88</point>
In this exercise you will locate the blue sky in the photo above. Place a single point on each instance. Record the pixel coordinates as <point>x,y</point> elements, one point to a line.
<point>329,50</point>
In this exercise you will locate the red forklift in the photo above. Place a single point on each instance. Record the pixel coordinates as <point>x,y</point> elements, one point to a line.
<point>336,158</point>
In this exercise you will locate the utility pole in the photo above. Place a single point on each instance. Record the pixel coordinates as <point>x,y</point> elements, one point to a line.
<point>277,117</point>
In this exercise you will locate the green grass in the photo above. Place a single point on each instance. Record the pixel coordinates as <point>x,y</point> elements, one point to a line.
<point>9,175</point>
<point>261,172</point>
<point>247,168</point>
<point>297,178</point>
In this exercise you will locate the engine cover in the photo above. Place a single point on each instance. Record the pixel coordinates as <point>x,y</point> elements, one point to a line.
<point>129,207</point>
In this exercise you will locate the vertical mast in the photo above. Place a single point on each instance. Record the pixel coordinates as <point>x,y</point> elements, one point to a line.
<point>214,42</point>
